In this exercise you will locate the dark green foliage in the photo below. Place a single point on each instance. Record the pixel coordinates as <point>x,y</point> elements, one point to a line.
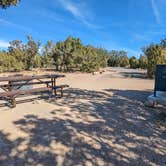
<point>124,61</point>
<point>90,61</point>
<point>114,58</point>
<point>143,62</point>
<point>118,58</point>
<point>21,56</point>
<point>31,53</point>
<point>6,3</point>
<point>72,55</point>
<point>8,62</point>
<point>68,55</point>
<point>47,55</point>
<point>17,51</point>
<point>156,54</point>
<point>134,63</point>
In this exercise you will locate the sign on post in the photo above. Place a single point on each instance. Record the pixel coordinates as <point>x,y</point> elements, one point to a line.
<point>160,79</point>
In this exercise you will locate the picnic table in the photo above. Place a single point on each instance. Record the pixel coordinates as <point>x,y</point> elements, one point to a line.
<point>13,86</point>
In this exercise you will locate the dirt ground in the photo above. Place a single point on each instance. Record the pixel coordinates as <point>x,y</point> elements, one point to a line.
<point>101,120</point>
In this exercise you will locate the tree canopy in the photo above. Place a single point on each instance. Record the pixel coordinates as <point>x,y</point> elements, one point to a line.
<point>6,3</point>
<point>72,55</point>
<point>156,54</point>
<point>67,55</point>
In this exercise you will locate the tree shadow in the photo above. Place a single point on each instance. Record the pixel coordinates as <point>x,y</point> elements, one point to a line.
<point>139,75</point>
<point>131,94</point>
<point>11,153</point>
<point>99,128</point>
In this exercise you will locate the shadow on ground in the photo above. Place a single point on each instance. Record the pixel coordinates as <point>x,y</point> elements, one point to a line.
<point>134,75</point>
<point>100,128</point>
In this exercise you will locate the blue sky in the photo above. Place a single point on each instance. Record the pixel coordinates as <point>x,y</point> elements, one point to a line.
<point>112,24</point>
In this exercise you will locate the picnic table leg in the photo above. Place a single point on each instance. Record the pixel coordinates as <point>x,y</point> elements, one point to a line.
<point>10,87</point>
<point>61,92</point>
<point>54,87</point>
<point>13,102</point>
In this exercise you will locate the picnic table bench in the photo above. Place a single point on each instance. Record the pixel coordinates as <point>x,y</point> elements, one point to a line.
<point>12,88</point>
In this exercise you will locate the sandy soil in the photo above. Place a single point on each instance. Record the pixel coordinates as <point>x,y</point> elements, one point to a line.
<point>101,120</point>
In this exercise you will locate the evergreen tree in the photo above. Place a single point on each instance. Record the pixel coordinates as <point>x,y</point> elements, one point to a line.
<point>6,3</point>
<point>134,63</point>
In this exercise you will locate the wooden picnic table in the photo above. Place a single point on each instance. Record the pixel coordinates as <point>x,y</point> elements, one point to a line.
<point>20,81</point>
<point>27,78</point>
<point>14,83</point>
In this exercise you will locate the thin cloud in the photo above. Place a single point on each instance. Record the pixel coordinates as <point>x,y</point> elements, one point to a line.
<point>91,25</point>
<point>143,37</point>
<point>4,44</point>
<point>11,24</point>
<point>74,9</point>
<point>78,11</point>
<point>155,11</point>
<point>49,15</point>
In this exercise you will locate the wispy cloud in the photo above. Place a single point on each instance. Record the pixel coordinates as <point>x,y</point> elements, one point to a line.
<point>155,11</point>
<point>79,11</point>
<point>50,15</point>
<point>73,8</point>
<point>4,44</point>
<point>142,37</point>
<point>11,24</point>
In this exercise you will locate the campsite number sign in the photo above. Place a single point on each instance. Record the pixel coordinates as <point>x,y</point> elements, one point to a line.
<point>160,79</point>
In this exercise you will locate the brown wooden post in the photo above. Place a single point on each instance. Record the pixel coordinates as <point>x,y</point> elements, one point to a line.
<point>52,84</point>
<point>10,87</point>
<point>13,102</point>
<point>55,87</point>
<point>61,92</point>
<point>12,99</point>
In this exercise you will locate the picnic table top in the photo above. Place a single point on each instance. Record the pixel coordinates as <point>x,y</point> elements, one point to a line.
<point>26,78</point>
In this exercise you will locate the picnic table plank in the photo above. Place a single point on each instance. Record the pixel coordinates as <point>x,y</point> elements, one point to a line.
<point>21,92</point>
<point>28,78</point>
<point>25,84</point>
